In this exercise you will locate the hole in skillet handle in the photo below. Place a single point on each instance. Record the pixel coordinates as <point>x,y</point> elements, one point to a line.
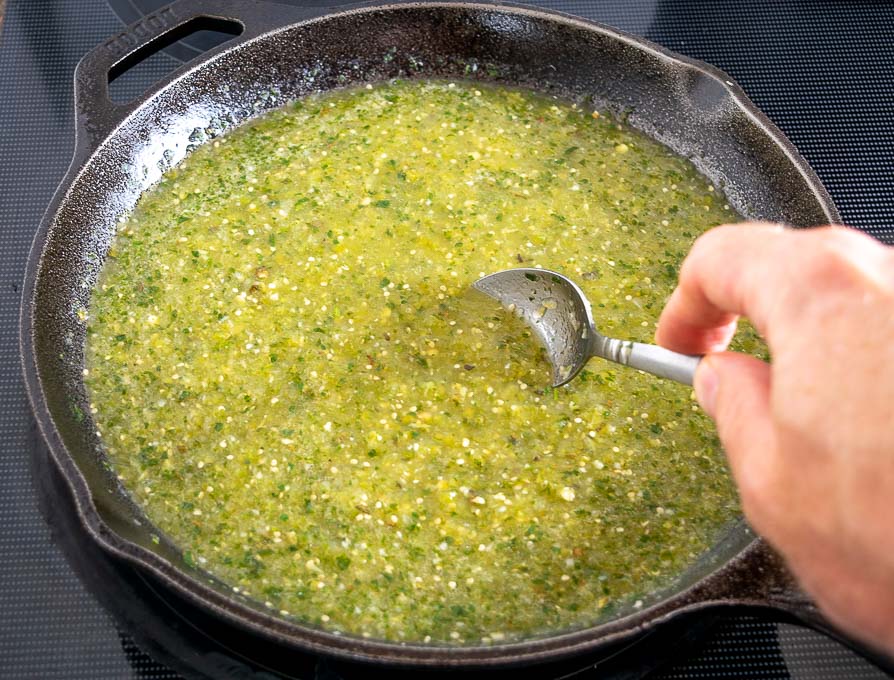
<point>130,77</point>
<point>234,20</point>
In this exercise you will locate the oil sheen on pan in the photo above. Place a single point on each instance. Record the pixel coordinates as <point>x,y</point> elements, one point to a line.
<point>291,376</point>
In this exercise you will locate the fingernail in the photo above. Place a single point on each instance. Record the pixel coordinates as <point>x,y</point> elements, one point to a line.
<point>706,383</point>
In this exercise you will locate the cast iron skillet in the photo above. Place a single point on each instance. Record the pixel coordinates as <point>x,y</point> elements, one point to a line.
<point>280,53</point>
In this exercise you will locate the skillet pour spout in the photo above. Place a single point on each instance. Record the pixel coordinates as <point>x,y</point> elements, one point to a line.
<point>283,53</point>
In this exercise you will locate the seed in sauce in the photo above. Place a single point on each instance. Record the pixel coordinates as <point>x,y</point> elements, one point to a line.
<point>292,379</point>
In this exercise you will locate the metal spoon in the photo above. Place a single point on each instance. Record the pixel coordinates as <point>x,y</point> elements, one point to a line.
<point>560,315</point>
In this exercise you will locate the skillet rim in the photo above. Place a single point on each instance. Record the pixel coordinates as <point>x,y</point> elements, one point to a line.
<point>312,639</point>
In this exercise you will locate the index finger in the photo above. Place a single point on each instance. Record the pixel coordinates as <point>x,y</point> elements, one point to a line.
<point>759,270</point>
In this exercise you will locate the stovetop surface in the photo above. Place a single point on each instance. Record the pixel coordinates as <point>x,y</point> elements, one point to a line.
<point>822,71</point>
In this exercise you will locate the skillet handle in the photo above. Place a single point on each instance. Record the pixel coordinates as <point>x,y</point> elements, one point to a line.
<point>766,583</point>
<point>97,114</point>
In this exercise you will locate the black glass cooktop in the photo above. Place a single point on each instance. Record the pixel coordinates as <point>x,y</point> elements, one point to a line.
<point>823,71</point>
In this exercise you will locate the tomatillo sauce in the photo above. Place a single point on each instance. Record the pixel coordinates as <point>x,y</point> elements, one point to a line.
<point>291,376</point>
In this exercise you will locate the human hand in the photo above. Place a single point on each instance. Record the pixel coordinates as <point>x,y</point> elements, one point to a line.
<point>810,437</point>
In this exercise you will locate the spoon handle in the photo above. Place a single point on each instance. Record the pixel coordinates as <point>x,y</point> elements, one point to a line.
<point>654,359</point>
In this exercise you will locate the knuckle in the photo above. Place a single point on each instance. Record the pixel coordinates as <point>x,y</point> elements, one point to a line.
<point>833,260</point>
<point>708,249</point>
<point>828,270</point>
<point>707,242</point>
<point>796,421</point>
<point>710,241</point>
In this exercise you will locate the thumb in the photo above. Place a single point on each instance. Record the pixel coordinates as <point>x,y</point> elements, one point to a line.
<point>734,389</point>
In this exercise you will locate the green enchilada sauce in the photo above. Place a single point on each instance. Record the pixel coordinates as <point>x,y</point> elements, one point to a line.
<point>290,376</point>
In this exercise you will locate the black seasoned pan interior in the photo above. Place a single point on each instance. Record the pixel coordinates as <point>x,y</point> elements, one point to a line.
<point>284,53</point>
